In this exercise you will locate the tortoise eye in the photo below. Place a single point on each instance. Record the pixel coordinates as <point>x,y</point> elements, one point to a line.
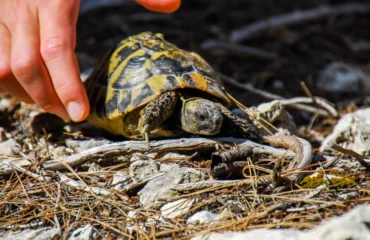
<point>201,116</point>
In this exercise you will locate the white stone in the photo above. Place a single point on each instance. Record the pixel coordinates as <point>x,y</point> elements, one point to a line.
<point>352,225</point>
<point>120,180</point>
<point>83,233</point>
<point>143,168</point>
<point>341,77</point>
<point>168,167</point>
<point>162,186</point>
<point>201,218</point>
<point>37,234</point>
<point>257,234</point>
<point>224,214</point>
<point>352,132</point>
<point>7,148</point>
<point>4,104</point>
<point>177,208</point>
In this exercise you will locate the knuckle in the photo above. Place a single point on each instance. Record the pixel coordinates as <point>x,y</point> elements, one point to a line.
<point>53,48</point>
<point>46,102</point>
<point>5,70</point>
<point>61,87</point>
<point>46,106</point>
<point>23,66</point>
<point>65,90</point>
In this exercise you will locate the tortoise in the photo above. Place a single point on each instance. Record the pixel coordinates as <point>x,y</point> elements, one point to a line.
<point>146,87</point>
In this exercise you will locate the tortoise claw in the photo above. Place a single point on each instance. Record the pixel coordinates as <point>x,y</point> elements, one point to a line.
<point>145,132</point>
<point>146,136</point>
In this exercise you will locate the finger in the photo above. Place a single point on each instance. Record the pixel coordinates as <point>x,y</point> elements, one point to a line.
<point>11,86</point>
<point>7,81</point>
<point>5,70</point>
<point>27,65</point>
<point>58,34</point>
<point>166,6</point>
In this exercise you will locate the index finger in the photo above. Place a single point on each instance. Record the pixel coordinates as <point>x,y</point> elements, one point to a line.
<point>58,20</point>
<point>165,6</point>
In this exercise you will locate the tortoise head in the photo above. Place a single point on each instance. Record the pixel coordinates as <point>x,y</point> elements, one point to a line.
<point>201,116</point>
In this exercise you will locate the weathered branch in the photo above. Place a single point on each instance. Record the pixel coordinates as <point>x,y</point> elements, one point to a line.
<point>238,50</point>
<point>293,18</point>
<point>294,102</point>
<point>130,147</point>
<point>302,149</point>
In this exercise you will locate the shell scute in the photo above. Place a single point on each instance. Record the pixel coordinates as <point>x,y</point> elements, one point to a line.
<point>137,71</point>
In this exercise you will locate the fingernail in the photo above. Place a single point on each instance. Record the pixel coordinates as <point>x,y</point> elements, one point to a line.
<point>75,111</point>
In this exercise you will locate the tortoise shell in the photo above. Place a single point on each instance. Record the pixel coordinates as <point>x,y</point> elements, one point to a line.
<point>138,70</point>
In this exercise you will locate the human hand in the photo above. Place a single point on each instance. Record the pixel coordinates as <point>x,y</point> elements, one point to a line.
<point>166,6</point>
<point>37,59</point>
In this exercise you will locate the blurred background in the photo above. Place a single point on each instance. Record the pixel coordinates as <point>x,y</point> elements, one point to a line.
<point>270,45</point>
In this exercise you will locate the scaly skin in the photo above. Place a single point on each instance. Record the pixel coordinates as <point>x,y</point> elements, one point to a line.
<point>156,112</point>
<point>201,116</point>
<point>238,127</point>
<point>198,116</point>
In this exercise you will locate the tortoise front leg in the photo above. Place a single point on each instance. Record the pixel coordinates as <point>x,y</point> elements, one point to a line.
<point>156,112</point>
<point>238,127</point>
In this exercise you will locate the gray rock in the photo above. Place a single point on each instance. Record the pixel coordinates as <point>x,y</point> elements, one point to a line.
<point>352,131</point>
<point>341,77</point>
<point>352,225</point>
<point>58,152</point>
<point>161,187</point>
<point>83,233</point>
<point>177,208</point>
<point>260,234</point>
<point>120,180</point>
<point>168,167</point>
<point>208,217</point>
<point>143,168</point>
<point>7,148</point>
<point>94,167</point>
<point>37,234</point>
<point>201,218</point>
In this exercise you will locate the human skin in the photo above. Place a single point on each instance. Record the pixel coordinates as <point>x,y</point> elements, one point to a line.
<point>37,59</point>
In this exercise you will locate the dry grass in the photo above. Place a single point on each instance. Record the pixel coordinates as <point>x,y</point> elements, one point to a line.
<point>33,197</point>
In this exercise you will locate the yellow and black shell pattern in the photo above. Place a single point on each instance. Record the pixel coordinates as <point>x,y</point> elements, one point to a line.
<point>137,71</point>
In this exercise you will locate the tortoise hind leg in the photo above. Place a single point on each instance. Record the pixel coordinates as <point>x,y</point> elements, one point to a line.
<point>156,112</point>
<point>237,126</point>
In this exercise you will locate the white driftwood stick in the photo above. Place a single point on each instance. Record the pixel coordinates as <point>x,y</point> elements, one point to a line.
<point>182,144</point>
<point>130,147</point>
<point>74,184</point>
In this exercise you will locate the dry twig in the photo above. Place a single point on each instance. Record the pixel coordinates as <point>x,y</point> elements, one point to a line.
<point>294,102</point>
<point>351,153</point>
<point>302,149</point>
